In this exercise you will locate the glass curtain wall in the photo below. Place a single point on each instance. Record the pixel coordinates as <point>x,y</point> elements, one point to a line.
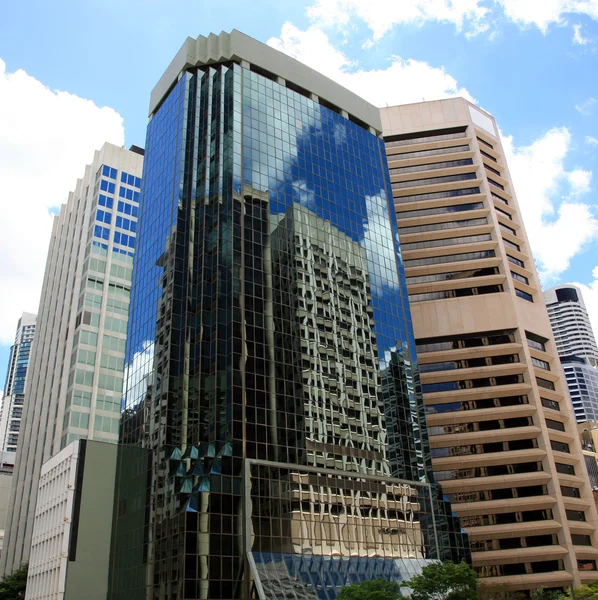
<point>273,440</point>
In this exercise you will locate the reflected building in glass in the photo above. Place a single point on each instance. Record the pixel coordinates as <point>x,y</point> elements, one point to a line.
<point>273,441</point>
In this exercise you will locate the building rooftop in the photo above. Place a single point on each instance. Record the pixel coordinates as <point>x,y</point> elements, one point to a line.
<point>240,48</point>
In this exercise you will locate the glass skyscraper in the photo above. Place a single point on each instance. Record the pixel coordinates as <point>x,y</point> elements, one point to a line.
<point>273,441</point>
<point>11,411</point>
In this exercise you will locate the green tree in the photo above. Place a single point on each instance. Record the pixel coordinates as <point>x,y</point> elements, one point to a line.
<point>585,592</point>
<point>444,581</point>
<point>12,587</point>
<point>544,594</point>
<point>377,589</point>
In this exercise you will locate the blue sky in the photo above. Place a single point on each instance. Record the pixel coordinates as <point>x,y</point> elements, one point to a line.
<point>76,74</point>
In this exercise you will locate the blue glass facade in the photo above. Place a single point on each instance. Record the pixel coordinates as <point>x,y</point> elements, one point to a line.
<point>272,407</point>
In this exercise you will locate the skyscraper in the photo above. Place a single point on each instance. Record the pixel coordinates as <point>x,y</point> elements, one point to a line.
<point>14,388</point>
<point>75,373</point>
<point>502,433</point>
<point>273,442</point>
<point>576,346</point>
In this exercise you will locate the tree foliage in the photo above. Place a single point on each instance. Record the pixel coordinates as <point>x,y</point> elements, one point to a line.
<point>377,589</point>
<point>585,592</point>
<point>444,581</point>
<point>12,587</point>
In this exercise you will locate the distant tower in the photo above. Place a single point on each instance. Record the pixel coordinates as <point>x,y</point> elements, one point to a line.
<point>77,358</point>
<point>576,346</point>
<point>14,388</point>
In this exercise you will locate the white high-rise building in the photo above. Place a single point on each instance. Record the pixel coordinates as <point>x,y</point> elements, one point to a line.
<point>14,388</point>
<point>571,323</point>
<point>576,346</point>
<point>78,353</point>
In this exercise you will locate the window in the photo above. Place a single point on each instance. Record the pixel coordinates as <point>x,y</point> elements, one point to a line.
<point>516,261</point>
<point>105,201</point>
<point>495,183</point>
<point>565,469</point>
<point>107,186</point>
<point>586,564</point>
<point>433,136</point>
<point>79,398</point>
<point>535,341</point>
<point>485,142</point>
<point>103,216</point>
<point>575,515</point>
<point>453,275</point>
<point>106,424</point>
<point>556,425</point>
<point>101,232</point>
<point>110,383</point>
<point>499,198</point>
<point>443,226</point>
<point>113,343</point>
<point>435,195</point>
<point>424,153</point>
<point>423,212</point>
<point>560,446</point>
<point>511,245</point>
<point>108,172</point>
<point>524,295</point>
<point>127,193</point>
<point>128,209</point>
<point>79,419</point>
<point>86,357</point>
<point>492,170</point>
<point>550,404</point>
<point>570,492</point>
<point>503,213</point>
<point>465,239</point>
<point>506,229</point>
<point>397,185</point>
<point>519,278</point>
<point>544,383</point>
<point>488,156</point>
<point>128,179</point>
<point>458,293</point>
<point>447,164</point>
<point>541,364</point>
<point>83,377</point>
<point>113,363</point>
<point>449,258</point>
<point>581,540</point>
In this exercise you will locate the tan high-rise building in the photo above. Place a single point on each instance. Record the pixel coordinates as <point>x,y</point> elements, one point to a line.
<point>502,430</point>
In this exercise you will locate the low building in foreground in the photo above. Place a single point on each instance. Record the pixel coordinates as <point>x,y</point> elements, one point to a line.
<point>72,525</point>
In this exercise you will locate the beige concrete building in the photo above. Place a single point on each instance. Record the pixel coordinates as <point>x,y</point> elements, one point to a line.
<point>74,382</point>
<point>502,430</point>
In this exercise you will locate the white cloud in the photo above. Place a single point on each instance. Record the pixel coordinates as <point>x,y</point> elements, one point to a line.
<point>579,179</point>
<point>382,15</point>
<point>138,374</point>
<point>402,82</point>
<point>543,13</point>
<point>585,107</point>
<point>46,138</point>
<point>377,239</point>
<point>558,226</point>
<point>304,194</point>
<point>591,140</point>
<point>590,298</point>
<point>578,37</point>
<point>470,16</point>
